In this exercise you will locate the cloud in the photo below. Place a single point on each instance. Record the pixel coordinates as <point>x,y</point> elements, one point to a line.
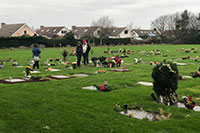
<point>83,12</point>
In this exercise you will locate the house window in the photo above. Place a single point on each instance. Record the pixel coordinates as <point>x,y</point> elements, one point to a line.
<point>63,31</point>
<point>126,32</point>
<point>25,32</point>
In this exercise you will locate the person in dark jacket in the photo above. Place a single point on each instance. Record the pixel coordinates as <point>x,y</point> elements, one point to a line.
<point>86,50</point>
<point>79,52</point>
<point>36,56</point>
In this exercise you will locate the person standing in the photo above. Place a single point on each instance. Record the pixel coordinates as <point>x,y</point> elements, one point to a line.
<point>36,56</point>
<point>86,50</point>
<point>79,51</point>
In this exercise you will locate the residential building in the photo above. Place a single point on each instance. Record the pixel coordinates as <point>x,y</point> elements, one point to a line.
<point>86,32</point>
<point>52,32</point>
<point>140,34</point>
<point>15,30</point>
<point>120,32</point>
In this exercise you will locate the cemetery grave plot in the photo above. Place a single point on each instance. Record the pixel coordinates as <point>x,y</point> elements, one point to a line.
<point>120,70</point>
<point>33,72</point>
<point>145,83</point>
<point>90,88</point>
<point>140,114</point>
<point>80,75</point>
<point>104,88</point>
<point>181,105</point>
<point>20,66</point>
<point>19,80</point>
<point>59,77</point>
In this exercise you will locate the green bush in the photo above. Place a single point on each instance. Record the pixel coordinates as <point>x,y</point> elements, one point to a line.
<point>165,76</point>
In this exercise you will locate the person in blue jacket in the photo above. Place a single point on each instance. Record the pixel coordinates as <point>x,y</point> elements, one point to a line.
<point>36,56</point>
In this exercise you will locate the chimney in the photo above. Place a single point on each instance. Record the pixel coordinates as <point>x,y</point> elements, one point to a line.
<point>41,27</point>
<point>73,27</point>
<point>3,24</point>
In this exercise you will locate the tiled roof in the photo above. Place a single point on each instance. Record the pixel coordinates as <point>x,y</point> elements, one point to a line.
<point>84,31</point>
<point>115,31</point>
<point>141,32</point>
<point>9,29</point>
<point>49,31</point>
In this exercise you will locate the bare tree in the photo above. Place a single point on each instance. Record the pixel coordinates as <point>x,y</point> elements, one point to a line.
<point>106,25</point>
<point>160,24</point>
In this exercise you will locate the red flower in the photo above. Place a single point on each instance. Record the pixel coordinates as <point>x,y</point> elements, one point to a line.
<point>102,87</point>
<point>190,98</point>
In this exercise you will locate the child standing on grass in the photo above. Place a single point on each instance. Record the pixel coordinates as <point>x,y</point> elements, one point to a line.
<point>79,52</point>
<point>36,56</point>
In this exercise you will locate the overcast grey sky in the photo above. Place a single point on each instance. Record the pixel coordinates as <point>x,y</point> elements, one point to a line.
<point>83,12</point>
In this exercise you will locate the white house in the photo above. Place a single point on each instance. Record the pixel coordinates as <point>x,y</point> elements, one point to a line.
<point>52,32</point>
<point>120,32</point>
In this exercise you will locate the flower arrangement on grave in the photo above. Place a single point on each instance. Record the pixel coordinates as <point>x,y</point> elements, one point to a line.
<point>185,58</point>
<point>153,63</point>
<point>57,59</point>
<point>188,102</point>
<point>157,53</point>
<point>101,71</point>
<point>111,62</point>
<point>195,74</point>
<point>50,59</point>
<point>103,87</point>
<point>74,65</point>
<point>28,70</point>
<point>165,76</point>
<point>15,63</point>
<point>187,51</point>
<point>64,54</point>
<point>49,69</point>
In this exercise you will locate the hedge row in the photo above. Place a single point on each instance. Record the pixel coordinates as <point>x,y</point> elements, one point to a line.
<point>27,41</point>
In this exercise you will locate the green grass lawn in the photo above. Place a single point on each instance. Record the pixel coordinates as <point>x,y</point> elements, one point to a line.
<point>64,107</point>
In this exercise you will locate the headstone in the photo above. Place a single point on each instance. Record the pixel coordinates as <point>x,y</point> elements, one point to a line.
<point>80,75</point>
<point>1,66</point>
<point>189,77</point>
<point>20,66</point>
<point>180,64</point>
<point>145,83</point>
<point>120,70</point>
<point>59,77</point>
<point>90,88</point>
<point>14,80</point>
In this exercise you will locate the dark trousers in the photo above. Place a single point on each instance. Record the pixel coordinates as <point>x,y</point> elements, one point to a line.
<point>36,64</point>
<point>78,60</point>
<point>85,58</point>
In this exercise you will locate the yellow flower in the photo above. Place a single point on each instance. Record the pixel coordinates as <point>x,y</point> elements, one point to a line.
<point>189,102</point>
<point>28,67</point>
